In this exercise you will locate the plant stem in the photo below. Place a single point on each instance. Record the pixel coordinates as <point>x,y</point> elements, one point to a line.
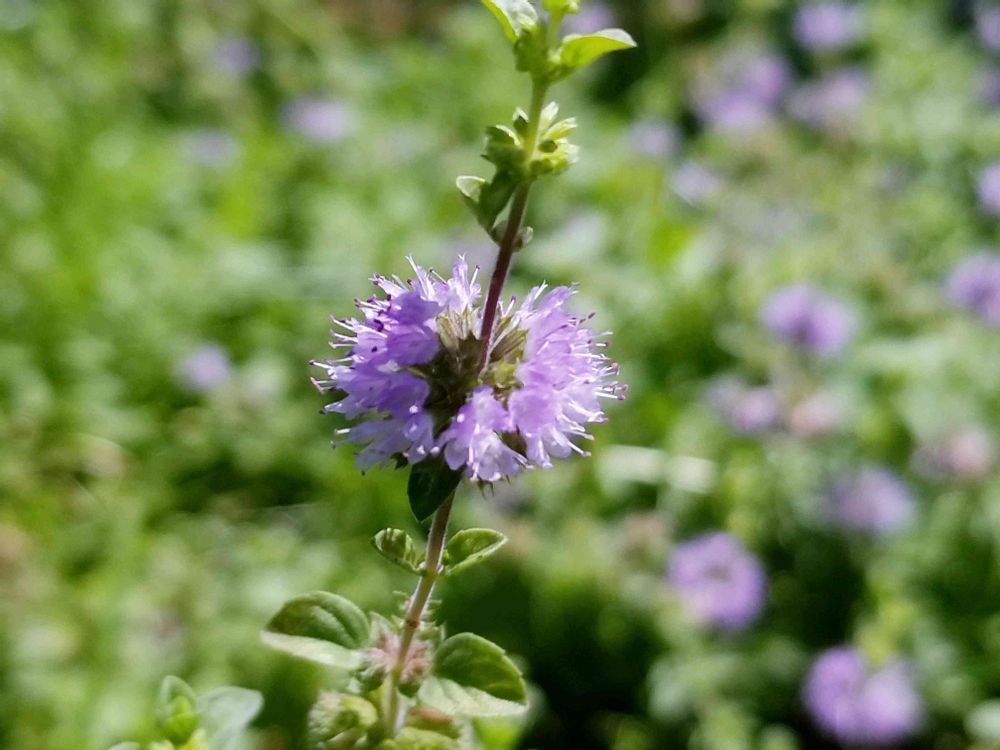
<point>515,218</point>
<point>415,611</point>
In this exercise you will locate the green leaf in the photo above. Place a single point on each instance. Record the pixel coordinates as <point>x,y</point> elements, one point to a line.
<point>410,738</point>
<point>470,546</point>
<point>321,627</point>
<point>513,16</point>
<point>983,722</point>
<point>561,7</point>
<point>431,482</point>
<point>473,677</point>
<point>177,710</point>
<point>396,546</point>
<point>226,712</point>
<point>496,195</point>
<point>579,50</point>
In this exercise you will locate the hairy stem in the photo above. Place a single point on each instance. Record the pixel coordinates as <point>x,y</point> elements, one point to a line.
<point>511,235</point>
<point>415,611</point>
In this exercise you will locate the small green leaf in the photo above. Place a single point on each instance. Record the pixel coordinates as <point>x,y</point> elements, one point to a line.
<point>431,482</point>
<point>177,710</point>
<point>396,546</point>
<point>496,195</point>
<point>321,627</point>
<point>579,50</point>
<point>422,739</point>
<point>226,712</point>
<point>470,546</point>
<point>473,677</point>
<point>513,16</point>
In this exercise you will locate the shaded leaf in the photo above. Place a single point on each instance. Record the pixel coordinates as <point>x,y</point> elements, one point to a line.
<point>396,546</point>
<point>431,482</point>
<point>226,712</point>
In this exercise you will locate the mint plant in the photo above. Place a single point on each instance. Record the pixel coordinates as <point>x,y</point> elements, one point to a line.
<point>433,380</point>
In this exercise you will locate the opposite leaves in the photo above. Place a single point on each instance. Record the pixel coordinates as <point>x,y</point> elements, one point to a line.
<point>473,677</point>
<point>321,627</point>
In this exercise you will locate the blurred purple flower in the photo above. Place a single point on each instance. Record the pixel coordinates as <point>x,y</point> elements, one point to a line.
<point>967,454</point>
<point>989,85</point>
<point>809,319</point>
<point>593,16</point>
<point>859,705</point>
<point>988,189</point>
<point>211,147</point>
<point>654,139</point>
<point>319,120</point>
<point>740,94</point>
<point>237,56</point>
<point>873,500</point>
<point>719,583</point>
<point>827,26</point>
<point>696,184</point>
<point>748,410</point>
<point>833,102</point>
<point>205,369</point>
<point>988,25</point>
<point>974,284</point>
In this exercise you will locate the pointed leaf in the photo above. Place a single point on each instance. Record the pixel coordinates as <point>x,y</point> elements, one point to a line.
<point>473,677</point>
<point>226,712</point>
<point>431,482</point>
<point>512,15</point>
<point>396,546</point>
<point>470,546</point>
<point>321,627</point>
<point>579,50</point>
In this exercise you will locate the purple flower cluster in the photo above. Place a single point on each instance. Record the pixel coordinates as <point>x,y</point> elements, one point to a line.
<point>741,94</point>
<point>809,319</point>
<point>749,410</point>
<point>966,454</point>
<point>412,385</point>
<point>873,500</point>
<point>205,369</point>
<point>859,705</point>
<point>827,26</point>
<point>988,189</point>
<point>988,25</point>
<point>833,102</point>
<point>974,284</point>
<point>718,582</point>
<point>321,121</point>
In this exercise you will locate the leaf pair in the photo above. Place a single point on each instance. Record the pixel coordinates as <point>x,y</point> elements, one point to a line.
<point>463,550</point>
<point>470,676</point>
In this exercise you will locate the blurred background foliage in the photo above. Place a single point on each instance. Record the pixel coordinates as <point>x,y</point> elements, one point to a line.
<point>190,188</point>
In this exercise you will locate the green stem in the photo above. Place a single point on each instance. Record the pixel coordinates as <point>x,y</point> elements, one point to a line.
<point>515,218</point>
<point>415,612</point>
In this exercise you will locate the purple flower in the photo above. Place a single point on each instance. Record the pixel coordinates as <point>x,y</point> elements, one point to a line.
<point>809,319</point>
<point>966,454</point>
<point>739,95</point>
<point>748,410</point>
<point>833,102</point>
<point>974,284</point>
<point>718,582</point>
<point>237,56</point>
<point>988,25</point>
<point>859,705</point>
<point>873,500</point>
<point>696,184</point>
<point>319,120</point>
<point>411,383</point>
<point>593,16</point>
<point>989,85</point>
<point>988,189</point>
<point>205,369</point>
<point>827,26</point>
<point>654,139</point>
